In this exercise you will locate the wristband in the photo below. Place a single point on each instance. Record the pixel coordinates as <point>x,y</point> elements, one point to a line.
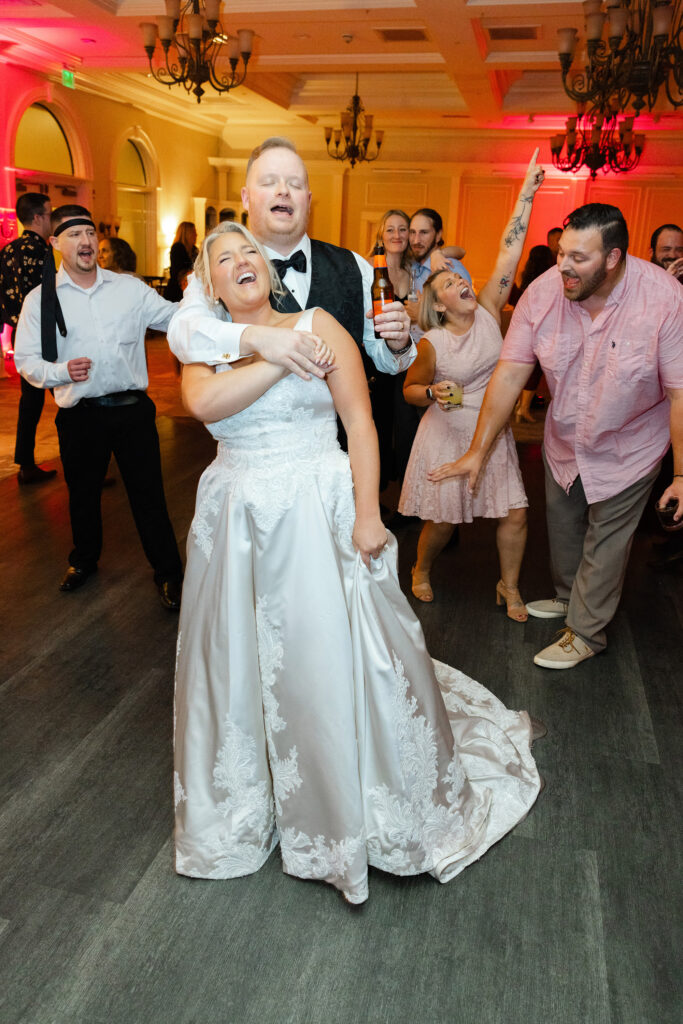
<point>430,394</point>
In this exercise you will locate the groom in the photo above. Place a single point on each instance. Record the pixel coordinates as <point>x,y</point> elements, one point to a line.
<point>278,200</point>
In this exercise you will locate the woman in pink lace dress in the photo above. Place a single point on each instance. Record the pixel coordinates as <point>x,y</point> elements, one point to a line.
<point>461,347</point>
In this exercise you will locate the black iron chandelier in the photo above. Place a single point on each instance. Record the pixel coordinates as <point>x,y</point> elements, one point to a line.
<point>193,40</point>
<point>597,142</point>
<point>356,132</point>
<point>641,54</point>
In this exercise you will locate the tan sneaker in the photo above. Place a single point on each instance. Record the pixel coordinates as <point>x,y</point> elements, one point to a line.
<point>552,608</point>
<point>567,651</point>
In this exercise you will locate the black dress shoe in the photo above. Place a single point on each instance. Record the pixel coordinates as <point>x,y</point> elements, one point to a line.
<point>35,475</point>
<point>75,578</point>
<point>170,593</point>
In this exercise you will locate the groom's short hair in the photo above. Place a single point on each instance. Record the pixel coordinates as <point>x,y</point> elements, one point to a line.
<point>274,142</point>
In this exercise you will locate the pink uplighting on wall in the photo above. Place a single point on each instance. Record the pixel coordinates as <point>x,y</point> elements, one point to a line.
<point>8,225</point>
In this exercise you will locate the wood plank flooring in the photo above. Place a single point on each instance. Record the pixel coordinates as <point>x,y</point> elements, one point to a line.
<point>572,919</point>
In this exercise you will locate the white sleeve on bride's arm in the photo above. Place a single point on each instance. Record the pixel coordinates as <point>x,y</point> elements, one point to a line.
<point>199,334</point>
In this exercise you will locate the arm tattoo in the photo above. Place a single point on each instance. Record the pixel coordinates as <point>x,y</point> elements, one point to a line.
<point>517,228</point>
<point>504,283</point>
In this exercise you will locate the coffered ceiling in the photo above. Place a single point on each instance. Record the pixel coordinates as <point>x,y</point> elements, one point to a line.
<point>430,70</point>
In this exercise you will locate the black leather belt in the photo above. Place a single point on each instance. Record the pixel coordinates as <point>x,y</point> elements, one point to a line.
<point>117,398</point>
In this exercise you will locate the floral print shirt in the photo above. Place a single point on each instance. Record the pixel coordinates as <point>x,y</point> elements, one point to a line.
<point>21,270</point>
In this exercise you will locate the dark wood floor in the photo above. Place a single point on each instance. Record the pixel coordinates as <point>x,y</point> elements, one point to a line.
<point>572,919</point>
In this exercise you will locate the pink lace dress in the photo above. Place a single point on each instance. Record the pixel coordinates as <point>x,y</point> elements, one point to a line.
<point>442,436</point>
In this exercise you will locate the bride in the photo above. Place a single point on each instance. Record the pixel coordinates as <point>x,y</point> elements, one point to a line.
<point>307,710</point>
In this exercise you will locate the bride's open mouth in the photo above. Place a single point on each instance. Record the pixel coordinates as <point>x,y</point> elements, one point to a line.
<point>247,277</point>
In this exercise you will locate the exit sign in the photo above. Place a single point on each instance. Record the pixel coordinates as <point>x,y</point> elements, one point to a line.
<point>68,79</point>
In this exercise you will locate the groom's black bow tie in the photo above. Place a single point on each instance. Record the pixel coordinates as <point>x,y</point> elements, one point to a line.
<point>297,261</point>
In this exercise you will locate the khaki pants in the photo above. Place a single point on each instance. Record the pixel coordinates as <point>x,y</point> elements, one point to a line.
<point>589,549</point>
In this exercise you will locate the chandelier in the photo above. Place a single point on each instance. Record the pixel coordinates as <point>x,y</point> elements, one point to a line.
<point>641,54</point>
<point>356,128</point>
<point>192,40</point>
<point>597,142</point>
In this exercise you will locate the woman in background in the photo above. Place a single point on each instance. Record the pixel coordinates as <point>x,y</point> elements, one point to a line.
<point>117,255</point>
<point>456,359</point>
<point>183,255</point>
<point>395,420</point>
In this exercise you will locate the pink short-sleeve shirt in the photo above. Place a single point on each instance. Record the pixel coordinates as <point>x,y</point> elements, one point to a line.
<point>609,418</point>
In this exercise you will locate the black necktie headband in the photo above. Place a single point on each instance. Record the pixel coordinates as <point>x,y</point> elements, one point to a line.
<point>297,261</point>
<point>50,310</point>
<point>73,222</point>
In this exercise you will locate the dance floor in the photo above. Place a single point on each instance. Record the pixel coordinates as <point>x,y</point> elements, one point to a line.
<point>571,919</point>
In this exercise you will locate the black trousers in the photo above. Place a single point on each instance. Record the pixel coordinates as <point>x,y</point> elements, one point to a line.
<point>30,407</point>
<point>88,436</point>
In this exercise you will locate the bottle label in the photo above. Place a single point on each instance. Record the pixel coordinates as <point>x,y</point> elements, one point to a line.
<point>379,259</point>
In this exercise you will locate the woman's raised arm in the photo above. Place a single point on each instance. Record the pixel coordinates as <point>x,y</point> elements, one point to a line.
<point>496,291</point>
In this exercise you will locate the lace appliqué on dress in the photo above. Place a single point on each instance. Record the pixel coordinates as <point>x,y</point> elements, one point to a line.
<point>414,832</point>
<point>206,512</point>
<point>248,801</point>
<point>179,793</point>
<point>317,858</point>
<point>285,771</point>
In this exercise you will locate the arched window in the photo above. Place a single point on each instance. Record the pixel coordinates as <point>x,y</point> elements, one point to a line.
<point>131,166</point>
<point>210,219</point>
<point>41,144</point>
<point>135,178</point>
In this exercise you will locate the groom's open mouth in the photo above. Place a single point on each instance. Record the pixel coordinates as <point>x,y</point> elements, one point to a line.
<point>282,208</point>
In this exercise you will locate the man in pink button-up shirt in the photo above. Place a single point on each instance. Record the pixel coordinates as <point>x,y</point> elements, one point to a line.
<point>608,331</point>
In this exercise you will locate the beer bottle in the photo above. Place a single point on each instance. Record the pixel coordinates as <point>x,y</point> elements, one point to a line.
<point>382,288</point>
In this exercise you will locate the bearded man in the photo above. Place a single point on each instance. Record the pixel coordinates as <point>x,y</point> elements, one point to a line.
<point>607,330</point>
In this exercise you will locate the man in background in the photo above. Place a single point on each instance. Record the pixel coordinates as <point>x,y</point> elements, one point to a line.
<point>426,239</point>
<point>608,331</point>
<point>553,240</point>
<point>82,333</point>
<point>21,270</point>
<point>666,249</point>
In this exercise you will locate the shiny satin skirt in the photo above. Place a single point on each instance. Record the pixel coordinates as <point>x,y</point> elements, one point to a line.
<point>308,712</point>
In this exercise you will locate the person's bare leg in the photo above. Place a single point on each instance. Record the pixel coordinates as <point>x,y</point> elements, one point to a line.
<point>511,541</point>
<point>433,539</point>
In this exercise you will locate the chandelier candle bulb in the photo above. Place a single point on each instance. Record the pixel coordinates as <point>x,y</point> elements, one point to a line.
<point>165,30</point>
<point>246,39</point>
<point>662,17</point>
<point>149,35</point>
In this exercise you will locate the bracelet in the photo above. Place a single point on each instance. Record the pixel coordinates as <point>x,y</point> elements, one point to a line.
<point>402,351</point>
<point>677,474</point>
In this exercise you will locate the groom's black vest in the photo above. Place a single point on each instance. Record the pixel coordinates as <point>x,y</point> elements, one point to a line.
<point>336,286</point>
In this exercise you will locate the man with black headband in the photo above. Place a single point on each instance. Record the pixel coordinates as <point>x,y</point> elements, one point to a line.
<point>82,333</point>
<point>21,270</point>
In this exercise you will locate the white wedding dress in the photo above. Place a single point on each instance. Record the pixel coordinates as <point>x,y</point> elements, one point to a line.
<point>308,711</point>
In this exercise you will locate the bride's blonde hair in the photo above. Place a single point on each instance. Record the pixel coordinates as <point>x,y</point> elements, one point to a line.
<point>201,264</point>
